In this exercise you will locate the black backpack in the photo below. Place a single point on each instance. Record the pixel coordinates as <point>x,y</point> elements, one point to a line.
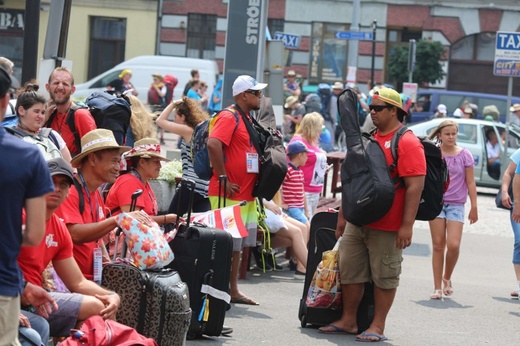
<point>367,189</point>
<point>110,111</point>
<point>437,178</point>
<point>268,143</point>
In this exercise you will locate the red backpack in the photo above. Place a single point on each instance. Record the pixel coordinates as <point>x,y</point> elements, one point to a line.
<point>98,332</point>
<point>170,82</point>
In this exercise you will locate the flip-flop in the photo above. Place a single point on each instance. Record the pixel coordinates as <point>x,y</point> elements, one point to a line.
<point>244,300</point>
<point>368,336</point>
<point>335,330</point>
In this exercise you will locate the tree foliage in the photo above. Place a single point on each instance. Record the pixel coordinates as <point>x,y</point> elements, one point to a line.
<point>428,68</point>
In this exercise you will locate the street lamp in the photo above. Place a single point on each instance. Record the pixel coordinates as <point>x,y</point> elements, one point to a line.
<point>374,27</point>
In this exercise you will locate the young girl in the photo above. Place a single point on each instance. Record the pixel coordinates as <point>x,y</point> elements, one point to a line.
<point>446,229</point>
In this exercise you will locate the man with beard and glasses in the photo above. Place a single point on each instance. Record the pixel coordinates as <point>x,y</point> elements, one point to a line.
<point>233,154</point>
<point>60,88</point>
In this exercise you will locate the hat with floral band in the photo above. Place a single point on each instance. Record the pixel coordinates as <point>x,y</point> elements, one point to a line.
<point>96,140</point>
<point>146,148</point>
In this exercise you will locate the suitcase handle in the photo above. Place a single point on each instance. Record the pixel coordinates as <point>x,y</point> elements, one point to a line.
<point>133,203</point>
<point>222,178</point>
<point>191,187</point>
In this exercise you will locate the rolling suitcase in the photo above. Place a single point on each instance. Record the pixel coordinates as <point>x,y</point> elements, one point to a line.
<point>155,303</point>
<point>322,238</point>
<point>203,260</point>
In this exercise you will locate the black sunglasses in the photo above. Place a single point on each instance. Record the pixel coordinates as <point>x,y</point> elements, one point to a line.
<point>378,108</point>
<point>257,93</point>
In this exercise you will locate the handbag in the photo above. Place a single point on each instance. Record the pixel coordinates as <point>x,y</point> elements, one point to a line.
<point>498,198</point>
<point>148,246</point>
<point>273,161</point>
<point>325,288</point>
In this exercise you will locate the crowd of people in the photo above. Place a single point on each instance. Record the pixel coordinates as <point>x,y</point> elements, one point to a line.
<point>54,184</point>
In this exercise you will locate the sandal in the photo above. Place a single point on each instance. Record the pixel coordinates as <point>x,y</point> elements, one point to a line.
<point>437,294</point>
<point>448,289</point>
<point>514,294</point>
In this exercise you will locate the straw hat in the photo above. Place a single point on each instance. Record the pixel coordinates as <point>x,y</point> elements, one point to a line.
<point>290,101</point>
<point>146,148</point>
<point>515,107</point>
<point>96,140</point>
<point>337,86</point>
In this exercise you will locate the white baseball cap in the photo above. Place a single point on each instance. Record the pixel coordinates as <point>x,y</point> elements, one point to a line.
<point>442,109</point>
<point>245,82</point>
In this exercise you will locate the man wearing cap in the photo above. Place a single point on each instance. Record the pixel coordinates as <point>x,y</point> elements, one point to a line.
<point>60,88</point>
<point>515,114</point>
<point>86,298</point>
<point>441,112</point>
<point>373,252</point>
<point>98,163</point>
<point>291,87</point>
<point>297,112</point>
<point>25,181</point>
<point>233,154</point>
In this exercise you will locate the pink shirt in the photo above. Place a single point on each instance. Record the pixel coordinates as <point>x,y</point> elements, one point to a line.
<point>457,192</point>
<point>315,167</point>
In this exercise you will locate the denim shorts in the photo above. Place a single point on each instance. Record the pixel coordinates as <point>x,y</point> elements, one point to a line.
<point>298,214</point>
<point>452,212</point>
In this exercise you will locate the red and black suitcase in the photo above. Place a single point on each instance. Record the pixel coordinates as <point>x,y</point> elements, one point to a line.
<point>203,260</point>
<point>322,238</point>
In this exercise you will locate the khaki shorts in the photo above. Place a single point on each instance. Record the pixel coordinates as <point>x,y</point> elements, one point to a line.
<point>368,254</point>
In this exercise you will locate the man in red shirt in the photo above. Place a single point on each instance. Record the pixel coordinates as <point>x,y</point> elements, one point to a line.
<point>241,166</point>
<point>98,163</point>
<point>88,298</point>
<point>60,88</point>
<point>373,252</point>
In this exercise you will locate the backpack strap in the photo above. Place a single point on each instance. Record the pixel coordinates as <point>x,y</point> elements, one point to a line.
<point>394,144</point>
<point>16,131</point>
<point>79,188</point>
<point>46,132</point>
<point>72,125</point>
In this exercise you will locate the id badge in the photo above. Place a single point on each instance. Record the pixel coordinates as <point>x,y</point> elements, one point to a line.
<point>252,162</point>
<point>98,264</point>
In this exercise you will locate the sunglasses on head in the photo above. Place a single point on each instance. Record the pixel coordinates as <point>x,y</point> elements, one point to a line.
<point>257,93</point>
<point>378,108</point>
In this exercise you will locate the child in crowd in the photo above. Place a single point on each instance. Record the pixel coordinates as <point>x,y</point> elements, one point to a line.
<point>294,202</point>
<point>446,229</point>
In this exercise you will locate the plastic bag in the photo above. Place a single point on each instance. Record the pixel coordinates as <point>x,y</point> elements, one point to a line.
<point>325,288</point>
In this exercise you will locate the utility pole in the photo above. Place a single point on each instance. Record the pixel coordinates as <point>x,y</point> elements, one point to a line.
<point>411,59</point>
<point>374,27</point>
<point>30,40</point>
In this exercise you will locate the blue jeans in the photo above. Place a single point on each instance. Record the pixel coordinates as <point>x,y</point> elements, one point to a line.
<point>516,248</point>
<point>38,334</point>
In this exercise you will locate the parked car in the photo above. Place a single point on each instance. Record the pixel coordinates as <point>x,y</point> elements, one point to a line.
<point>142,69</point>
<point>428,100</point>
<point>472,136</point>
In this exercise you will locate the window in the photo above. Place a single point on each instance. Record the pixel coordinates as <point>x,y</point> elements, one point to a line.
<point>107,44</point>
<point>275,25</point>
<point>479,47</point>
<point>328,56</point>
<point>399,37</point>
<point>202,29</point>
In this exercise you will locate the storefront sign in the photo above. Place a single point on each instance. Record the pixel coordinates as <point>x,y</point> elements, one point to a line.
<point>11,20</point>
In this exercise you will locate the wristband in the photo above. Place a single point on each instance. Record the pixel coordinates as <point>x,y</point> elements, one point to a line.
<point>164,218</point>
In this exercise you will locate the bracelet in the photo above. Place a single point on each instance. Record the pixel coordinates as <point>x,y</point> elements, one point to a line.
<point>164,218</point>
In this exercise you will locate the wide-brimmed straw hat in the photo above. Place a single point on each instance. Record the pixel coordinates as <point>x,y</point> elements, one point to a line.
<point>146,148</point>
<point>515,107</point>
<point>96,140</point>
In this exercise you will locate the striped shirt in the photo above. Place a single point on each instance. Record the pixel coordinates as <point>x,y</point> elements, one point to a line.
<point>201,186</point>
<point>292,187</point>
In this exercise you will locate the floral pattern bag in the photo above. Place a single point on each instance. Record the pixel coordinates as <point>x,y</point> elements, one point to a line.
<point>146,242</point>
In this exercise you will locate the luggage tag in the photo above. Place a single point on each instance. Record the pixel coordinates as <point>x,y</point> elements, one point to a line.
<point>252,162</point>
<point>98,264</point>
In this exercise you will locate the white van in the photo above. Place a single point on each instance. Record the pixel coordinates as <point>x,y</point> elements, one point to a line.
<point>142,69</point>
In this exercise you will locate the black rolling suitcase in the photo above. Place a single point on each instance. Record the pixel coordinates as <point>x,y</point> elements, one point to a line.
<point>154,302</point>
<point>203,260</point>
<point>322,238</point>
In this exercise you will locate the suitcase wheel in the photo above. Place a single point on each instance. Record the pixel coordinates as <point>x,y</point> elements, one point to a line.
<point>304,321</point>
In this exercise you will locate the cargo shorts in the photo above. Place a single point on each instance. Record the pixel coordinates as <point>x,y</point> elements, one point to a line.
<point>368,254</point>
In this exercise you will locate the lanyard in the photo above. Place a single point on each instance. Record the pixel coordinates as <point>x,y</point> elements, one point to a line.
<point>93,212</point>
<point>152,199</point>
<point>246,118</point>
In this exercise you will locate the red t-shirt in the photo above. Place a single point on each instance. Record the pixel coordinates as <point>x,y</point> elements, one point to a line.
<point>410,162</point>
<point>236,144</point>
<point>93,212</point>
<point>55,246</point>
<point>84,123</point>
<point>120,194</point>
